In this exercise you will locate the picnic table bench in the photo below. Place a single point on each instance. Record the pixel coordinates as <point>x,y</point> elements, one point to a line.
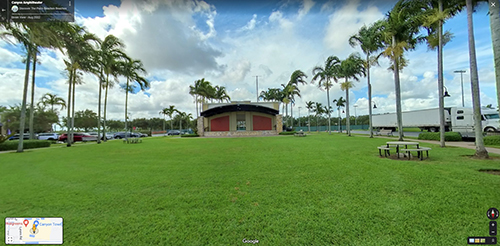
<point>406,151</point>
<point>132,140</point>
<point>384,132</point>
<point>299,134</point>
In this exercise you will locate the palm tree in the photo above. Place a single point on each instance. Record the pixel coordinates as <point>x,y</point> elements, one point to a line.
<point>481,151</point>
<point>370,41</point>
<point>52,99</point>
<point>81,56</point>
<point>399,31</point>
<point>339,103</point>
<point>309,106</point>
<point>495,39</point>
<point>352,67</point>
<point>169,111</point>
<point>111,53</point>
<point>221,94</point>
<point>31,36</point>
<point>324,75</point>
<point>318,109</point>
<point>436,14</point>
<point>132,70</point>
<point>297,77</point>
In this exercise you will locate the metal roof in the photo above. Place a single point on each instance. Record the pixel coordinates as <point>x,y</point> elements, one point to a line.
<point>239,107</point>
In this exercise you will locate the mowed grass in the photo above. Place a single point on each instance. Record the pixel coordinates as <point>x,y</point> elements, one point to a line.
<point>285,190</point>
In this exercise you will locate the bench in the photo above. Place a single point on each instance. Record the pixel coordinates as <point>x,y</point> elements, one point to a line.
<point>420,152</point>
<point>299,134</point>
<point>384,132</point>
<point>386,150</point>
<point>132,140</point>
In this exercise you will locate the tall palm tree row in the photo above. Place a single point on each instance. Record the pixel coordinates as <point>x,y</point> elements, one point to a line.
<point>31,36</point>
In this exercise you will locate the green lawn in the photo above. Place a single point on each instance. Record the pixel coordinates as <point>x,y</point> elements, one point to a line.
<point>284,190</point>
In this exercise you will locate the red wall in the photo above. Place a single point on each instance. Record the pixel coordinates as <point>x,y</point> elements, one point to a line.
<point>220,124</point>
<point>262,123</point>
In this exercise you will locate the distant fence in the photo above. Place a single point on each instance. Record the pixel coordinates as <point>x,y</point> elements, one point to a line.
<point>333,128</point>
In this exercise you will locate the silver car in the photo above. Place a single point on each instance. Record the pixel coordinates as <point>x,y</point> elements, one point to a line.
<point>48,136</point>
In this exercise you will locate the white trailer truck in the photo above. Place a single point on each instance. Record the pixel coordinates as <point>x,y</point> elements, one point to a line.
<point>456,119</point>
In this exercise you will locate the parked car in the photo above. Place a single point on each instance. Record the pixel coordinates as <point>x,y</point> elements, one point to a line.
<point>78,137</point>
<point>108,135</point>
<point>25,137</point>
<point>173,132</point>
<point>141,134</point>
<point>120,135</point>
<point>48,136</point>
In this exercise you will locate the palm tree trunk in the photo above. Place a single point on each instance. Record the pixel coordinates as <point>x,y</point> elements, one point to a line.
<point>23,105</point>
<point>68,120</point>
<point>495,40</point>
<point>171,123</point>
<point>340,121</point>
<point>291,115</point>
<point>328,100</point>
<point>32,107</point>
<point>397,87</point>
<point>481,151</point>
<point>317,123</point>
<point>440,77</point>
<point>309,119</point>
<point>73,108</point>
<point>196,102</point>
<point>105,104</point>
<point>347,116</point>
<point>126,104</point>
<point>369,95</point>
<point>99,110</point>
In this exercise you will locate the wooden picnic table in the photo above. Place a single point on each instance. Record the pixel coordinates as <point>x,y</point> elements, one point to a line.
<point>401,143</point>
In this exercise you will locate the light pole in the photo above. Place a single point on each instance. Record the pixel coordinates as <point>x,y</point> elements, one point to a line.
<point>355,115</point>
<point>462,83</point>
<point>374,105</point>
<point>299,115</point>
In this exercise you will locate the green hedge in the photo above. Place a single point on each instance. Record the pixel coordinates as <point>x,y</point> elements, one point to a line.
<point>492,140</point>
<point>189,135</point>
<point>448,136</point>
<point>287,133</point>
<point>27,144</point>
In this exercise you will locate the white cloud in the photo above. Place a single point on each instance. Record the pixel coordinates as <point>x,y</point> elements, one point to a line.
<point>345,22</point>
<point>306,6</point>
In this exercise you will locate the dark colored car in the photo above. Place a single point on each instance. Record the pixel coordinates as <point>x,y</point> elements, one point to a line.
<point>120,135</point>
<point>25,137</point>
<point>78,137</point>
<point>173,132</point>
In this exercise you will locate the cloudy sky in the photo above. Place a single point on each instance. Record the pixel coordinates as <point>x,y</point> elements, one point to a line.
<point>230,42</point>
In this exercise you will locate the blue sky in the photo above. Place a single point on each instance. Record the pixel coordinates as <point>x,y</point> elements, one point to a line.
<point>230,42</point>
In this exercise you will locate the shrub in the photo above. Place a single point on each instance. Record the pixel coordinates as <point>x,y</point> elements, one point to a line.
<point>287,133</point>
<point>492,140</point>
<point>448,136</point>
<point>189,135</point>
<point>27,144</point>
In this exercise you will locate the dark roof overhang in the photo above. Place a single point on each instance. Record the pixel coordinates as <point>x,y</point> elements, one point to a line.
<point>239,107</point>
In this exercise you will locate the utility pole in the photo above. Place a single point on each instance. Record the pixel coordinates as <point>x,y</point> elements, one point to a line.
<point>355,115</point>
<point>257,86</point>
<point>462,80</point>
